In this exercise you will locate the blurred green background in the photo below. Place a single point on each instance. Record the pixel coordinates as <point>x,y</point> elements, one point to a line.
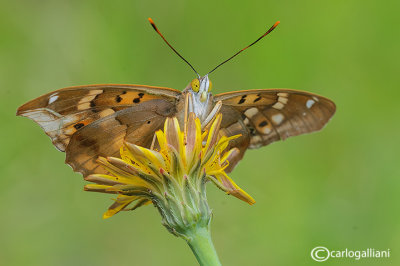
<point>338,188</point>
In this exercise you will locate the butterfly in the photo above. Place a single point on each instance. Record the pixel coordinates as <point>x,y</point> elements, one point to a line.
<point>90,121</point>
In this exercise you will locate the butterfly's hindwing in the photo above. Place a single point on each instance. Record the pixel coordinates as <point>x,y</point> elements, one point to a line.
<point>62,113</point>
<point>106,136</point>
<point>265,116</point>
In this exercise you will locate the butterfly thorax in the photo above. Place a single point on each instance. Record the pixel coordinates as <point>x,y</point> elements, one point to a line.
<point>201,108</point>
<point>200,100</point>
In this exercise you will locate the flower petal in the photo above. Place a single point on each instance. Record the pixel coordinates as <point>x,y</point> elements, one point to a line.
<point>120,203</point>
<point>213,134</point>
<point>171,131</point>
<point>98,188</point>
<point>234,189</point>
<point>103,179</point>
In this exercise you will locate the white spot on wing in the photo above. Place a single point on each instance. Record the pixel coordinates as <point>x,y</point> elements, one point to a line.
<point>283,94</point>
<point>53,98</point>
<point>106,112</point>
<point>310,103</point>
<point>95,92</point>
<point>283,100</point>
<point>278,106</point>
<point>255,140</point>
<point>251,112</point>
<point>265,130</point>
<point>277,118</point>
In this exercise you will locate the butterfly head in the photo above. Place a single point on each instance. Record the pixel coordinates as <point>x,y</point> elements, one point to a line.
<point>201,87</point>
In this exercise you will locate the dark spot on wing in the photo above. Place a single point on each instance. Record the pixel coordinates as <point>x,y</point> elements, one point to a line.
<point>93,102</point>
<point>242,100</point>
<point>257,99</point>
<point>263,124</point>
<point>118,99</point>
<point>148,122</point>
<point>124,92</point>
<point>141,95</point>
<point>136,100</point>
<point>79,125</point>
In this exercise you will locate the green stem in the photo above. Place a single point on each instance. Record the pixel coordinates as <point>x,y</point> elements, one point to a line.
<point>199,240</point>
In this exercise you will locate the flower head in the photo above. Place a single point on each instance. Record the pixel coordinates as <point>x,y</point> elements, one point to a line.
<point>171,176</point>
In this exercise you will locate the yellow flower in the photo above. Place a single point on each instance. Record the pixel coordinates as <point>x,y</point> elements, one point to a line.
<point>173,175</point>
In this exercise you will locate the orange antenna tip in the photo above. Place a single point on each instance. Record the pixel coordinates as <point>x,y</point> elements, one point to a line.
<point>275,25</point>
<point>153,24</point>
<point>173,49</point>
<point>262,36</point>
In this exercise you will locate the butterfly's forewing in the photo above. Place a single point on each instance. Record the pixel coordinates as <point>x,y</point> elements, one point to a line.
<point>92,121</point>
<point>265,116</point>
<point>63,112</point>
<point>106,136</point>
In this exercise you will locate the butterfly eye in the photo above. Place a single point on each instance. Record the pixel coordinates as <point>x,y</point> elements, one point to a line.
<point>209,85</point>
<point>195,85</point>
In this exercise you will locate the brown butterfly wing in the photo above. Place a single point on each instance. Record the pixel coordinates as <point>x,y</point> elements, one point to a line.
<point>63,112</point>
<point>106,136</point>
<point>265,116</point>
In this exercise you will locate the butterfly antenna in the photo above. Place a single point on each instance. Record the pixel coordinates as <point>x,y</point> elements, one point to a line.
<point>265,34</point>
<point>159,33</point>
